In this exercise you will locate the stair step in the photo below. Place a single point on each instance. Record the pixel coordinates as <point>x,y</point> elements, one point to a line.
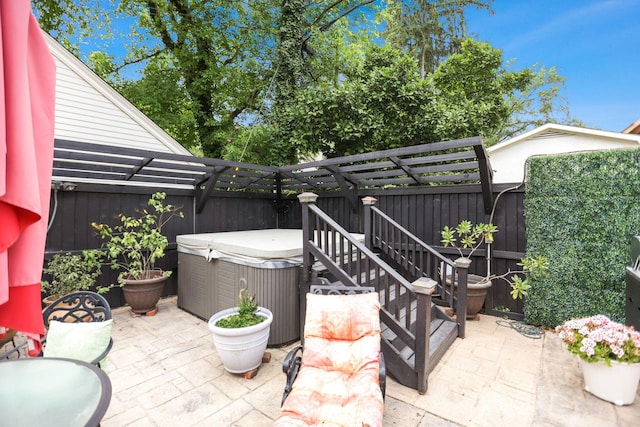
<point>327,278</point>
<point>443,334</point>
<point>435,312</point>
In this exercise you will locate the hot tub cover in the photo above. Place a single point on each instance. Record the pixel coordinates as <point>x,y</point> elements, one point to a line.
<point>271,248</point>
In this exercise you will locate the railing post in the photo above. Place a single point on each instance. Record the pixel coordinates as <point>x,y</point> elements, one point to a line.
<point>368,220</point>
<point>462,265</point>
<point>424,288</point>
<point>305,282</point>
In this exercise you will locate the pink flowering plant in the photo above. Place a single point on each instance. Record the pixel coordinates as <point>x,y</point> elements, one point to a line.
<point>598,338</point>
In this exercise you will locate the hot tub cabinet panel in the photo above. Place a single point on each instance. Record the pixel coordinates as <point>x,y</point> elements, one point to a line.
<point>206,287</point>
<point>195,290</point>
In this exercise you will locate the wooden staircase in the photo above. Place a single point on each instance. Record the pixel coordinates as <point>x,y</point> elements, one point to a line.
<point>415,332</point>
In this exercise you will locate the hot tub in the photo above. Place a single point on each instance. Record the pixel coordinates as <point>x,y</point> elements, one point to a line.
<point>213,267</point>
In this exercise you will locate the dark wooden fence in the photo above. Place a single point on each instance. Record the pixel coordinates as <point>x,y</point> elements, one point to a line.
<point>424,211</point>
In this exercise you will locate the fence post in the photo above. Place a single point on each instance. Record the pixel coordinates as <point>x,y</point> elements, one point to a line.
<point>424,288</point>
<point>368,220</point>
<point>307,261</point>
<point>462,265</point>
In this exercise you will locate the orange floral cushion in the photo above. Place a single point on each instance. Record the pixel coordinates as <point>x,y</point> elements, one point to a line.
<point>333,398</point>
<point>342,317</point>
<point>338,382</point>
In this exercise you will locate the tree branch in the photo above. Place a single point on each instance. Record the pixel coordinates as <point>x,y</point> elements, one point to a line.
<point>330,23</point>
<point>138,60</point>
<point>236,112</point>
<point>326,26</point>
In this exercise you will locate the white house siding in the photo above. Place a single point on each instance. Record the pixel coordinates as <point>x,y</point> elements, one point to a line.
<point>89,110</point>
<point>508,158</point>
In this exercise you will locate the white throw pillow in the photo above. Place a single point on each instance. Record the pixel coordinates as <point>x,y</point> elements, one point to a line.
<point>82,341</point>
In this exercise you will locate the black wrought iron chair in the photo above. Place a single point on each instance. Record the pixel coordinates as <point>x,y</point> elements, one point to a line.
<point>82,309</point>
<point>339,374</point>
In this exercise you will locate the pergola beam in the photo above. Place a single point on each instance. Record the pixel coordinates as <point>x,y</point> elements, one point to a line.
<point>461,161</point>
<point>202,194</point>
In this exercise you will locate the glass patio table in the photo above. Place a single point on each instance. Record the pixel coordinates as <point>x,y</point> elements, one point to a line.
<point>53,392</point>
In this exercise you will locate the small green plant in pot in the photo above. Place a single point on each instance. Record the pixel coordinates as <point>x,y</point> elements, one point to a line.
<point>72,272</point>
<point>134,246</point>
<point>240,334</point>
<point>466,238</point>
<point>247,313</point>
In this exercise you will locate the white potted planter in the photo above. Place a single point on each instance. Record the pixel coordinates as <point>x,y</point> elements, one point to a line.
<point>617,383</point>
<point>241,349</point>
<point>609,354</point>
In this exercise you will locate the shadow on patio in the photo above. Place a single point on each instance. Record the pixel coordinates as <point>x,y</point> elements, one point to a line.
<point>165,371</point>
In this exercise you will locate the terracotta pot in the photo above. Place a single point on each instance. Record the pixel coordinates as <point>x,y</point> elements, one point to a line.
<point>47,301</point>
<point>63,308</point>
<point>143,295</point>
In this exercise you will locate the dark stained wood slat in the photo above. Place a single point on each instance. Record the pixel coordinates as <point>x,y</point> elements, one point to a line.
<point>458,161</point>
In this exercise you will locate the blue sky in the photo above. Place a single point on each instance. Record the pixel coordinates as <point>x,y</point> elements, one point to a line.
<point>594,44</point>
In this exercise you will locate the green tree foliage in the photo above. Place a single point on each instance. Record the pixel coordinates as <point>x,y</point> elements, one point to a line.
<point>539,103</point>
<point>352,115</point>
<point>383,103</point>
<point>434,30</point>
<point>288,76</point>
<point>161,95</point>
<point>271,80</point>
<point>474,90</point>
<point>429,30</point>
<point>311,41</point>
<point>204,64</point>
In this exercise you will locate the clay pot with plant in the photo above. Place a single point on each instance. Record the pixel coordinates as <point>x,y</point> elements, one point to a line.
<point>467,238</point>
<point>71,273</point>
<point>240,334</point>
<point>133,247</point>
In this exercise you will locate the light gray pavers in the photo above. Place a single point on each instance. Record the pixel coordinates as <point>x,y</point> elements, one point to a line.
<point>165,372</point>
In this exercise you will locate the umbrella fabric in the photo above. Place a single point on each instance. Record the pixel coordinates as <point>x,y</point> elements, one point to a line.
<point>27,100</point>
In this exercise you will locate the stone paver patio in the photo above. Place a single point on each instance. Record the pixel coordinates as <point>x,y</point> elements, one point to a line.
<point>165,372</point>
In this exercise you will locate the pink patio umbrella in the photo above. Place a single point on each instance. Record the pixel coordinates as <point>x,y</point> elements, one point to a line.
<point>27,101</point>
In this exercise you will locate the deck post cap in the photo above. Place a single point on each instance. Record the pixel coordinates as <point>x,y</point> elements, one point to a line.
<point>424,285</point>
<point>307,197</point>
<point>369,200</point>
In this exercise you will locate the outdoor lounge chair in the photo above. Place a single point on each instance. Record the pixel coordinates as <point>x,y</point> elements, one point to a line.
<point>340,377</point>
<point>78,327</point>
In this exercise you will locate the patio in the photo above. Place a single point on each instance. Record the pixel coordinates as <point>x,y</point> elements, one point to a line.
<point>165,371</point>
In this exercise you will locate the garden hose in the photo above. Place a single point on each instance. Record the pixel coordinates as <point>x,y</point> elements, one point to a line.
<point>521,327</point>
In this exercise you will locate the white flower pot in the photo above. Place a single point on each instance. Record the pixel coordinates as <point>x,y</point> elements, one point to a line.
<point>617,383</point>
<point>241,349</point>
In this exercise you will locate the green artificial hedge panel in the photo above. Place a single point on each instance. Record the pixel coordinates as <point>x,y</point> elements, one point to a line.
<point>581,211</point>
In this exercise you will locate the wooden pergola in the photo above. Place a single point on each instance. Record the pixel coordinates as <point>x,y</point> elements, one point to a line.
<point>462,161</point>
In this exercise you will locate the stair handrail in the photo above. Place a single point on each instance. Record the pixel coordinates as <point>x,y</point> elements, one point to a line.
<point>319,246</point>
<point>445,272</point>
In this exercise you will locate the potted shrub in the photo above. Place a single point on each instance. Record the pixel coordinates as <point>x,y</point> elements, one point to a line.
<point>467,238</point>
<point>240,334</point>
<point>609,353</point>
<point>71,273</point>
<point>134,246</point>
